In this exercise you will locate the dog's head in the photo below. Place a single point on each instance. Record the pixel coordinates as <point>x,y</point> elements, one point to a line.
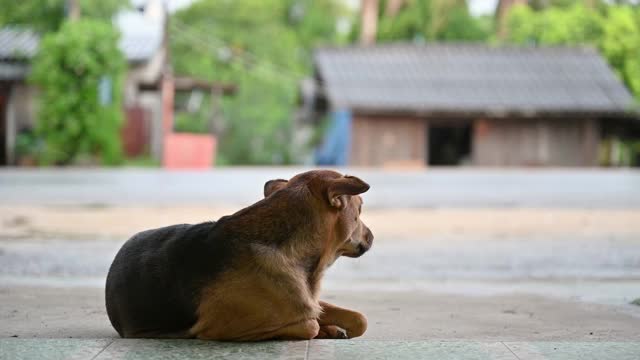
<point>335,199</point>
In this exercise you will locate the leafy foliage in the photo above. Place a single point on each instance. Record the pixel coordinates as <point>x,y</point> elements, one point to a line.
<point>572,25</point>
<point>621,44</point>
<point>615,30</point>
<point>80,112</point>
<point>420,20</point>
<point>263,47</point>
<point>48,15</point>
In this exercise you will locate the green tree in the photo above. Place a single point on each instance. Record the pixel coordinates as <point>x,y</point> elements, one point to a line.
<point>461,26</point>
<point>621,44</point>
<point>572,25</point>
<point>613,29</point>
<point>314,22</point>
<point>48,15</point>
<point>79,70</point>
<point>599,4</point>
<point>263,47</point>
<point>431,20</point>
<point>411,22</point>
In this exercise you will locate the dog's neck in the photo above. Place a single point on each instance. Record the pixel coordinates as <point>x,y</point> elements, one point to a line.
<point>275,221</point>
<point>290,232</point>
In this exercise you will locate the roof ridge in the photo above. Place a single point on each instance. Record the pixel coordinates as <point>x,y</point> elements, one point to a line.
<point>454,45</point>
<point>459,76</point>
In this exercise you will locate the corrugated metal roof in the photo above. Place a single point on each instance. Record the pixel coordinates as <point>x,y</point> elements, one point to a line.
<point>141,38</point>
<point>16,43</point>
<point>470,78</point>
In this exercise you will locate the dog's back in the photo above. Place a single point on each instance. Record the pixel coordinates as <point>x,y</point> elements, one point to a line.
<point>154,281</point>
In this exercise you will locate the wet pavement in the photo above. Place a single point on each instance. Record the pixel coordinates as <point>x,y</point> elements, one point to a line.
<point>461,187</point>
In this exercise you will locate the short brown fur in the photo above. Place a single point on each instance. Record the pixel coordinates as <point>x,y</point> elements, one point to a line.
<point>272,290</point>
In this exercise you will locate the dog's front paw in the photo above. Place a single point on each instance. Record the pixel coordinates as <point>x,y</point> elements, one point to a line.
<point>331,332</point>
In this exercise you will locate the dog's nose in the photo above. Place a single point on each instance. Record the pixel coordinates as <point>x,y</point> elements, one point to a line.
<point>369,236</point>
<point>362,249</point>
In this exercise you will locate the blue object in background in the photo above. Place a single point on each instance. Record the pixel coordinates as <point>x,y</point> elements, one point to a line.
<point>337,141</point>
<point>105,90</point>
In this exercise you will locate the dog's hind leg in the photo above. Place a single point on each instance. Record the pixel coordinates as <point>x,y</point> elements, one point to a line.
<point>302,330</point>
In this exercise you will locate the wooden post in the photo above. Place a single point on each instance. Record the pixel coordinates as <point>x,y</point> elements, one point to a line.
<point>216,126</point>
<point>168,93</point>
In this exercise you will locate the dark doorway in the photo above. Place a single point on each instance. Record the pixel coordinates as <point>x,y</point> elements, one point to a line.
<point>4,99</point>
<point>449,145</point>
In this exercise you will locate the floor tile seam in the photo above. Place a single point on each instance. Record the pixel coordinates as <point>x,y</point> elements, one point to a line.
<point>103,349</point>
<point>511,351</point>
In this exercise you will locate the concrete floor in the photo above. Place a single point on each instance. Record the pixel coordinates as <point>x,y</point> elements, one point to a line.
<point>46,312</point>
<point>72,349</point>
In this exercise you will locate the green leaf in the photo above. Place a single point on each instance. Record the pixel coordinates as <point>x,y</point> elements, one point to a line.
<point>71,121</point>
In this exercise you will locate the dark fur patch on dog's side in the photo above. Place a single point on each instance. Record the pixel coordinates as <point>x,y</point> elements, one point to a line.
<point>156,278</point>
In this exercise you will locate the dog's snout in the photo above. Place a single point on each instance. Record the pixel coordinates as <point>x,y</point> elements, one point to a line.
<point>366,245</point>
<point>369,236</point>
<point>361,249</point>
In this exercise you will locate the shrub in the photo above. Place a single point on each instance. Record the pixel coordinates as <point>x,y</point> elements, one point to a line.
<point>79,70</point>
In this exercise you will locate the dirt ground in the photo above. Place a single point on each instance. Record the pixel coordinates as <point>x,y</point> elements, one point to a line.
<point>34,221</point>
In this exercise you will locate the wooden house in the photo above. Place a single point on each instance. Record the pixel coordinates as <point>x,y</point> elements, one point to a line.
<point>455,104</point>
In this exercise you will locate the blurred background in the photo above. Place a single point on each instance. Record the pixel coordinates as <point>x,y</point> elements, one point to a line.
<point>409,83</point>
<point>499,139</point>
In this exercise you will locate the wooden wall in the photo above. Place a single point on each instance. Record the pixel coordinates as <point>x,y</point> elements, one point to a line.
<point>4,101</point>
<point>388,141</point>
<point>535,142</point>
<point>403,141</point>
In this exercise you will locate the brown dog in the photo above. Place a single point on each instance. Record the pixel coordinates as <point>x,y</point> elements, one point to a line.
<point>253,275</point>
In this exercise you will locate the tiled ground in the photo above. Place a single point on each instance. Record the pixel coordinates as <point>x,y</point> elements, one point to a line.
<point>18,349</point>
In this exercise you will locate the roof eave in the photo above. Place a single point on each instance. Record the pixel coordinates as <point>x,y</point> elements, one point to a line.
<point>494,113</point>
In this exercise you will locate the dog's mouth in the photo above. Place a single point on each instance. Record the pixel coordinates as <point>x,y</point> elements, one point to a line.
<point>362,246</point>
<point>360,250</point>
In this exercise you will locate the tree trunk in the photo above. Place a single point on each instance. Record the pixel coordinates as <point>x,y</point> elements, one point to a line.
<point>393,7</point>
<point>369,13</point>
<point>502,11</point>
<point>73,10</point>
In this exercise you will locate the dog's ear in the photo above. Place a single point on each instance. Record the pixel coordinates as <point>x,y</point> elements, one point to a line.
<point>272,186</point>
<point>347,185</point>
